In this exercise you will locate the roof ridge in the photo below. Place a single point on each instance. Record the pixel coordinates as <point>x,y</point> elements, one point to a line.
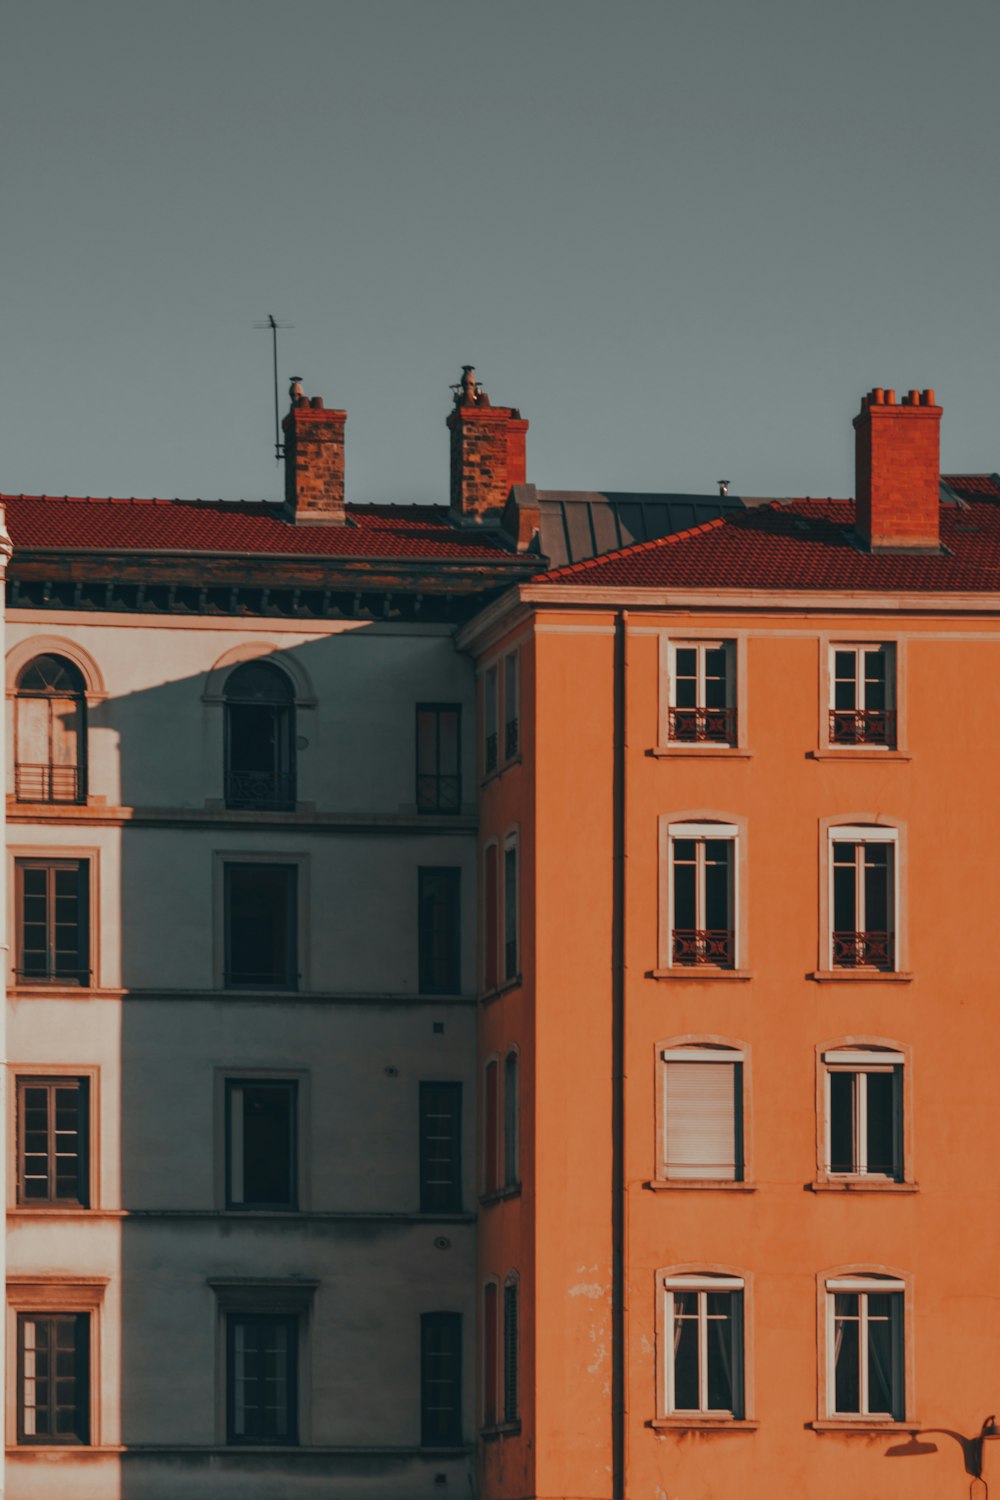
<point>637,547</point>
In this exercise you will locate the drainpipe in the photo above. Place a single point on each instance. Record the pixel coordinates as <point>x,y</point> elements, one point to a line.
<point>619,1225</point>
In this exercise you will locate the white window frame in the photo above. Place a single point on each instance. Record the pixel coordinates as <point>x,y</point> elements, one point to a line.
<point>857,649</point>
<point>863,1287</point>
<point>729,1056</point>
<point>862,1061</point>
<point>864,833</point>
<point>701,1283</point>
<point>700,647</point>
<point>700,833</point>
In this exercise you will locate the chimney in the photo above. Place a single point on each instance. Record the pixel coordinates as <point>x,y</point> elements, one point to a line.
<point>897,471</point>
<point>487,453</point>
<point>314,461</point>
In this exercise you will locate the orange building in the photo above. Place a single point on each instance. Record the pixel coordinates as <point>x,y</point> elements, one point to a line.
<point>737,839</point>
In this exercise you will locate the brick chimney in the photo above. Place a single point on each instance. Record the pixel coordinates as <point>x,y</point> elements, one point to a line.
<point>897,463</point>
<point>314,461</point>
<point>487,453</point>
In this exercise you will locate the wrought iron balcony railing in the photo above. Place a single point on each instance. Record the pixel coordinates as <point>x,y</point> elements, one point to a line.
<point>260,791</point>
<point>48,783</point>
<point>439,794</point>
<point>714,946</point>
<point>862,726</point>
<point>864,950</point>
<point>692,726</point>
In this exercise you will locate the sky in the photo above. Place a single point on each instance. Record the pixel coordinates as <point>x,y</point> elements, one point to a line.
<point>684,238</point>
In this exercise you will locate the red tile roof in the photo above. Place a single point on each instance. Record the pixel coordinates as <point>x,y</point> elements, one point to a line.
<point>68,523</point>
<point>808,544</point>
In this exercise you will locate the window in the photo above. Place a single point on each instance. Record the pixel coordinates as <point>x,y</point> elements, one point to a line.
<point>863,898</point>
<point>862,695</point>
<point>511,1122</point>
<point>864,1347</point>
<point>490,916</point>
<point>440,1148</point>
<point>439,747</point>
<point>52,1142</point>
<point>439,930</point>
<point>703,889</point>
<point>490,713</point>
<point>510,897</point>
<point>50,757</point>
<point>864,1113</point>
<point>491,1144</point>
<point>511,735</point>
<point>702,699</point>
<point>261,1378</point>
<point>510,1350</point>
<point>53,1386</point>
<point>490,1352</point>
<point>440,1379</point>
<point>702,1114</point>
<point>261,1143</point>
<point>260,738</point>
<point>53,923</point>
<point>260,919</point>
<point>703,1325</point>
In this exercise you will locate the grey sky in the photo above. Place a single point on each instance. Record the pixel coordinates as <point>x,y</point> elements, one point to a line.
<point>682,237</point>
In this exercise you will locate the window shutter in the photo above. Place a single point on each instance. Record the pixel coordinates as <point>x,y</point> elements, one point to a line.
<point>702,1120</point>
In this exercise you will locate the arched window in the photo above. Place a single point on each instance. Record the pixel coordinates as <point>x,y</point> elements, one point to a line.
<point>510,1120</point>
<point>260,738</point>
<point>50,755</point>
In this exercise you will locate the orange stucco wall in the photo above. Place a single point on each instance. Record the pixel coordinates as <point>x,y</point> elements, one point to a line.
<point>944,1234</point>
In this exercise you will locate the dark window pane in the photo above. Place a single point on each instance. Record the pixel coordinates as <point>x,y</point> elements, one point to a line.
<point>53,1358</point>
<point>721,1351</point>
<point>262,1370</point>
<point>260,738</point>
<point>260,926</point>
<point>882,1131</point>
<point>847,1387</point>
<point>685,1335</point>
<point>439,931</point>
<point>717,906</point>
<point>685,908</point>
<point>844,902</point>
<point>490,1354</point>
<point>439,786</point>
<point>262,1147</point>
<point>440,1148</point>
<point>842,1154</point>
<point>510,1353</point>
<point>490,920</point>
<point>53,923</point>
<point>440,1380</point>
<point>877,877</point>
<point>510,911</point>
<point>510,1119</point>
<point>884,1368</point>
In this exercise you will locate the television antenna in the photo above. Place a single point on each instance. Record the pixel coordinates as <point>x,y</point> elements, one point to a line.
<point>271,323</point>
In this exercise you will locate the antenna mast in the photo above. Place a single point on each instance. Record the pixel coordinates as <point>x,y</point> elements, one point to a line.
<point>273,325</point>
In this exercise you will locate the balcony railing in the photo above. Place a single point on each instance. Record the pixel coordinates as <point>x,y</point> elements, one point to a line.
<point>862,726</point>
<point>864,950</point>
<point>48,783</point>
<point>439,794</point>
<point>260,791</point>
<point>713,726</point>
<point>714,946</point>
<point>511,738</point>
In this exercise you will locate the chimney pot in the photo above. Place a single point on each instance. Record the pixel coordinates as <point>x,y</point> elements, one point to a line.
<point>927,399</point>
<point>890,398</point>
<point>316,402</point>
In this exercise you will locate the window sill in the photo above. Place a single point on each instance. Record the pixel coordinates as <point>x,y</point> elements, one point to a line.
<point>497,771</point>
<point>697,1184</point>
<point>863,976</point>
<point>695,1423</point>
<point>501,1430</point>
<point>861,1185</point>
<point>700,752</point>
<point>488,996</point>
<point>862,1425</point>
<point>863,752</point>
<point>500,1195</point>
<point>699,972</point>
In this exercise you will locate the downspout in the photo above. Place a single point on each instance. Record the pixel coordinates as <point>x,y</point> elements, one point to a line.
<point>619,1226</point>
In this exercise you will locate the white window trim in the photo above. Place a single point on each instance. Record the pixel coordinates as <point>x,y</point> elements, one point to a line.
<point>856,648</point>
<point>702,1284</point>
<point>860,833</point>
<point>735,643</point>
<point>700,832</point>
<point>863,1286</point>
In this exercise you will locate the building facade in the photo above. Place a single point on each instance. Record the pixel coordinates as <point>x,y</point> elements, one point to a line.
<point>485,1006</point>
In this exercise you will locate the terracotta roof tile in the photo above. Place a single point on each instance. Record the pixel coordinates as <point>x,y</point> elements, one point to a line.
<point>69,523</point>
<point>808,545</point>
